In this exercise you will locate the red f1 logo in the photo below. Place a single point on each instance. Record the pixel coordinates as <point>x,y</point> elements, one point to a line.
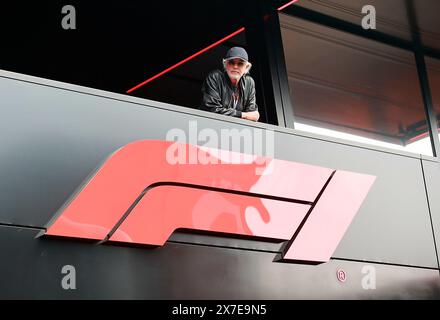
<point>139,197</point>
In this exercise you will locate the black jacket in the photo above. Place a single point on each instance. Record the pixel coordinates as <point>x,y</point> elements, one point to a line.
<point>217,94</point>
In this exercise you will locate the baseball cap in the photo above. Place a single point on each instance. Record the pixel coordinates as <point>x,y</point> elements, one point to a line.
<point>237,52</point>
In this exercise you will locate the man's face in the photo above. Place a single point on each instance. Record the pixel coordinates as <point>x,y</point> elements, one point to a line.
<point>236,68</point>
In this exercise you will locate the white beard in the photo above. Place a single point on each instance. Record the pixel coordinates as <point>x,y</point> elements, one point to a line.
<point>234,76</point>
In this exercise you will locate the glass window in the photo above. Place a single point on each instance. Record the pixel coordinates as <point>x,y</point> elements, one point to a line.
<point>433,66</point>
<point>392,17</point>
<point>353,88</point>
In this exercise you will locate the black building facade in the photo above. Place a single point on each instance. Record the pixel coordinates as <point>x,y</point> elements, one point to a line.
<point>335,95</point>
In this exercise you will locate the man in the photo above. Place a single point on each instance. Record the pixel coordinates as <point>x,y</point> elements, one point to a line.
<point>232,91</point>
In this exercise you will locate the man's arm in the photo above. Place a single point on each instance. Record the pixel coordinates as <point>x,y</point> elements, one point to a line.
<point>251,115</point>
<point>251,108</point>
<point>211,100</point>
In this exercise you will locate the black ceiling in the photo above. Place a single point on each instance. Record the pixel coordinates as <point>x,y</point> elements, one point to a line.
<point>117,44</point>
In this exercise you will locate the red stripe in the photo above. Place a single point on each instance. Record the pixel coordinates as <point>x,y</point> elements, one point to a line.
<point>186,59</point>
<point>198,53</point>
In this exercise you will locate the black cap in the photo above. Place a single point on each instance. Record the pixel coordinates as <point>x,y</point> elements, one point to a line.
<point>237,52</point>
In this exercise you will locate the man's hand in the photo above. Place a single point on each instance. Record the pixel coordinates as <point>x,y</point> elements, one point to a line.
<point>253,115</point>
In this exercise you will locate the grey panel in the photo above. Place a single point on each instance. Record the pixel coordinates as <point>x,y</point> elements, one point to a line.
<point>52,139</point>
<point>432,176</point>
<point>31,269</point>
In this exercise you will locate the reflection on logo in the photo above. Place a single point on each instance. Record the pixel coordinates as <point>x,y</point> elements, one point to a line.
<point>138,197</point>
